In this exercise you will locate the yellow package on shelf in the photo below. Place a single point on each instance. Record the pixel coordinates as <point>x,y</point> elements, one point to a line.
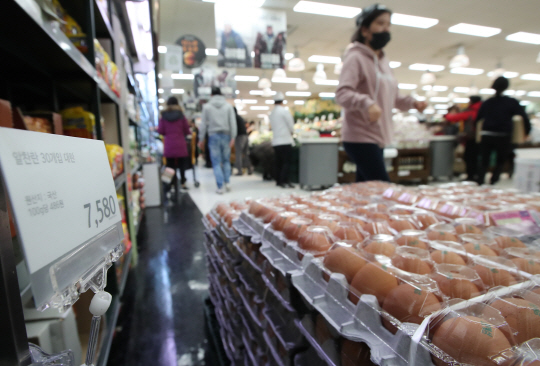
<point>79,123</point>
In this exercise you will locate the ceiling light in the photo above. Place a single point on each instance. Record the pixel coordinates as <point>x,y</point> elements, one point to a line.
<point>520,93</point>
<point>259,108</point>
<point>211,52</point>
<point>302,85</point>
<point>395,110</point>
<point>242,113</point>
<point>252,54</point>
<point>467,71</point>
<point>327,82</point>
<point>525,102</point>
<point>413,110</point>
<point>246,78</point>
<point>161,108</point>
<point>524,37</point>
<point>324,59</point>
<point>535,77</point>
<point>413,21</point>
<point>161,100</point>
<point>474,30</point>
<point>162,49</point>
<point>431,93</point>
<point>183,76</point>
<point>312,7</point>
<point>267,92</point>
<point>297,94</point>
<point>160,75</point>
<point>259,92</point>
<point>238,92</point>
<point>238,3</point>
<point>426,67</point>
<point>460,60</point>
<point>319,74</point>
<point>338,68</point>
<point>420,98</point>
<point>327,95</point>
<point>248,101</point>
<point>262,116</point>
<point>296,65</point>
<point>461,89</point>
<point>429,111</point>
<point>286,80</point>
<point>487,91</point>
<point>443,111</point>
<point>279,74</point>
<point>509,92</point>
<point>461,100</point>
<point>439,100</point>
<point>535,94</point>
<point>394,64</point>
<point>299,102</point>
<point>427,78</point>
<point>289,56</point>
<point>507,74</point>
<point>177,91</point>
<point>160,91</point>
<point>407,86</point>
<point>264,83</point>
<point>236,101</point>
<point>437,88</point>
<point>441,106</point>
<point>269,101</point>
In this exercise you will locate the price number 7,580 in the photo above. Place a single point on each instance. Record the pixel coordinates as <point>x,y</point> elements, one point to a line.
<point>105,207</point>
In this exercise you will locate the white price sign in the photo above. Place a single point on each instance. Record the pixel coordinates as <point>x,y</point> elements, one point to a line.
<point>61,191</point>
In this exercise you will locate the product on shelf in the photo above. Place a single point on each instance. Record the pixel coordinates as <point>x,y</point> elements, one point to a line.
<point>70,27</point>
<point>47,122</point>
<point>115,154</point>
<point>79,123</point>
<point>106,68</point>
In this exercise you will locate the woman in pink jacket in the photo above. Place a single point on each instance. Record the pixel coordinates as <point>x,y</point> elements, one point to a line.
<point>174,127</point>
<point>368,92</point>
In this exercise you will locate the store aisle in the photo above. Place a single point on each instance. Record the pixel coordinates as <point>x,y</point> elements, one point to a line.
<point>162,320</point>
<point>205,196</point>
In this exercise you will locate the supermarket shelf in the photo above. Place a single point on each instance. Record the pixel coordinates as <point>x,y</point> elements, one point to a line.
<point>133,122</point>
<point>119,181</point>
<point>136,169</point>
<point>103,25</point>
<point>139,220</point>
<point>125,271</point>
<point>108,334</point>
<point>106,91</point>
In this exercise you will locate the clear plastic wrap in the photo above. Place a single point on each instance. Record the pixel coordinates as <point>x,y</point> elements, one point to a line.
<point>403,222</point>
<point>448,252</point>
<point>525,259</point>
<point>378,226</point>
<point>329,220</point>
<point>315,240</point>
<point>344,258</point>
<point>444,232</point>
<point>380,244</point>
<point>467,226</point>
<point>282,219</point>
<point>414,260</point>
<point>458,282</point>
<point>412,238</point>
<point>345,230</point>
<point>479,244</point>
<point>294,228</point>
<point>495,271</point>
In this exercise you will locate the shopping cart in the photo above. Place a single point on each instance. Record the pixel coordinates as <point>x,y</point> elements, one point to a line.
<point>192,162</point>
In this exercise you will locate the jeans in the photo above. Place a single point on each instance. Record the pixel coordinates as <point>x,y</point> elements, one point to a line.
<point>369,160</point>
<point>220,154</point>
<point>241,147</point>
<point>502,145</point>
<point>283,154</point>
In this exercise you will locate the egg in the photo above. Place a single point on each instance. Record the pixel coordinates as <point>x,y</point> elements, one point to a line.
<point>299,208</point>
<point>311,213</point>
<point>378,227</point>
<point>411,238</point>
<point>409,304</point>
<point>372,279</point>
<point>411,264</point>
<point>442,235</point>
<point>479,249</point>
<point>426,220</point>
<point>470,340</point>
<point>522,316</point>
<point>456,288</point>
<point>527,265</point>
<point>360,211</point>
<point>402,225</point>
<point>345,260</point>
<point>230,216</point>
<point>282,219</point>
<point>384,248</point>
<point>355,353</point>
<point>328,220</point>
<point>508,242</point>
<point>468,229</point>
<point>322,333</point>
<point>348,231</point>
<point>444,256</point>
<point>294,228</point>
<point>316,239</point>
<point>494,276</point>
<point>270,212</point>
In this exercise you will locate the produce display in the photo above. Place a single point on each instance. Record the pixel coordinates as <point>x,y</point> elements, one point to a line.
<point>370,273</point>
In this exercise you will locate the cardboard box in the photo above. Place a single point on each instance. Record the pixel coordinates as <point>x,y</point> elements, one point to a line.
<point>54,118</point>
<point>6,120</point>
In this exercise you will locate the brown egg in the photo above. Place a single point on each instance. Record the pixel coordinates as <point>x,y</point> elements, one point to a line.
<point>522,316</point>
<point>443,256</point>
<point>401,225</point>
<point>442,235</point>
<point>270,212</point>
<point>299,208</point>
<point>355,353</point>
<point>470,340</point>
<point>527,265</point>
<point>467,226</point>
<point>377,227</point>
<point>345,260</point>
<point>411,264</point>
<point>372,279</point>
<point>378,216</point>
<point>411,238</point>
<point>255,208</point>
<point>479,249</point>
<point>230,216</point>
<point>426,220</point>
<point>536,290</point>
<point>360,211</point>
<point>322,333</point>
<point>409,304</point>
<point>508,242</point>
<point>494,277</point>
<point>311,213</point>
<point>384,248</point>
<point>328,220</point>
<point>222,209</point>
<point>316,239</point>
<point>282,219</point>
<point>348,231</point>
<point>296,227</point>
<point>456,288</point>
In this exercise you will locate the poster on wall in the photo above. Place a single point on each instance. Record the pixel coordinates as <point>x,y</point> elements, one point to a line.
<point>206,77</point>
<point>173,59</point>
<point>252,31</point>
<point>194,51</point>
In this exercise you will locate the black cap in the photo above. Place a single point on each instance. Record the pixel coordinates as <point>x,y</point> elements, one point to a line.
<point>216,90</point>
<point>172,101</point>
<point>370,13</point>
<point>500,84</point>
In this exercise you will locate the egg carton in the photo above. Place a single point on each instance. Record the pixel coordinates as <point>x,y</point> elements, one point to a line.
<point>254,310</point>
<point>243,228</point>
<point>251,279</point>
<point>252,331</point>
<point>256,225</point>
<point>283,295</point>
<point>248,259</point>
<point>288,248</point>
<point>308,358</point>
<point>327,351</point>
<point>288,337</point>
<point>360,322</point>
<point>274,354</point>
<point>236,356</point>
<point>225,232</point>
<point>256,354</point>
<point>531,240</point>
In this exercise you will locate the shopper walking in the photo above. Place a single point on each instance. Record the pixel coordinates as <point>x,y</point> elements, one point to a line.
<point>219,121</point>
<point>497,113</point>
<point>468,116</point>
<point>368,92</point>
<point>174,126</point>
<point>241,147</point>
<point>282,141</point>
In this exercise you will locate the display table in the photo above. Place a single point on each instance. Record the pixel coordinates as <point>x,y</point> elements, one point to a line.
<point>411,164</point>
<point>318,162</point>
<point>527,170</point>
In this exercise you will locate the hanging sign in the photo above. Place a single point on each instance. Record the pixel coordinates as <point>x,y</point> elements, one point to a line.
<point>194,51</point>
<point>64,201</point>
<point>174,58</point>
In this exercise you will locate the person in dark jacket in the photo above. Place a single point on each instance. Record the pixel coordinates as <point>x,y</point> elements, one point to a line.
<point>468,116</point>
<point>174,126</point>
<point>497,113</point>
<point>241,146</point>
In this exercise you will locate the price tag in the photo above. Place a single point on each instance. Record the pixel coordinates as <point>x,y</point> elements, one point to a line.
<point>61,191</point>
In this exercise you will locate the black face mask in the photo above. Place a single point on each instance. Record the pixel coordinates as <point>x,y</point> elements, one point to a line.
<point>380,40</point>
